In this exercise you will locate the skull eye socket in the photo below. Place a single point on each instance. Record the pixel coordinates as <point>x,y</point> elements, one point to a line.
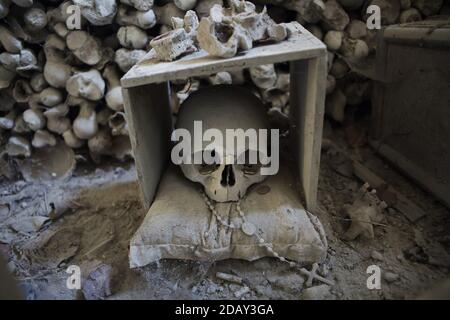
<point>205,169</point>
<point>250,162</point>
<point>223,32</point>
<point>251,169</point>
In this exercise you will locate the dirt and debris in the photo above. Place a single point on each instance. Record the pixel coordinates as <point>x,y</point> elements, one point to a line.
<point>365,212</point>
<point>321,292</point>
<point>100,280</point>
<point>89,219</point>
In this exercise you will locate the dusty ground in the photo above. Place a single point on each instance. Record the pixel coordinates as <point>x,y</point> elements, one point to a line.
<point>97,211</point>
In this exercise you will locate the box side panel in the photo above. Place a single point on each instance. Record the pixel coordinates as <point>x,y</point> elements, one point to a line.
<point>379,86</point>
<point>415,116</point>
<point>308,79</point>
<point>148,114</point>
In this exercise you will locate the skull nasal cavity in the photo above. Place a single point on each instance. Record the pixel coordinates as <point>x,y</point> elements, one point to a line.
<point>228,178</point>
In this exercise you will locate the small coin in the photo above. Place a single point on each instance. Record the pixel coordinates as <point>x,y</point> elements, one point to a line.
<point>248,228</point>
<point>263,189</point>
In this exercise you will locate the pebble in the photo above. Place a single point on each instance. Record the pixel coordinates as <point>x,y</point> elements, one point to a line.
<point>376,255</point>
<point>11,267</point>
<point>19,185</point>
<point>239,293</point>
<point>119,171</point>
<point>264,290</point>
<point>345,169</point>
<point>212,288</point>
<point>290,282</point>
<point>100,282</point>
<point>99,172</point>
<point>390,277</point>
<point>392,211</point>
<point>234,287</point>
<point>321,292</point>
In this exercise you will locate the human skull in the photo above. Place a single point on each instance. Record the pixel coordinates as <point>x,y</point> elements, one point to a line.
<point>224,107</point>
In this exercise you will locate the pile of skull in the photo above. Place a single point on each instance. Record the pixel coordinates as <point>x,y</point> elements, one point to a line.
<point>60,81</point>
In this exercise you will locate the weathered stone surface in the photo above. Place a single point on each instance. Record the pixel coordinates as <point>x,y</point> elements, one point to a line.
<point>174,230</point>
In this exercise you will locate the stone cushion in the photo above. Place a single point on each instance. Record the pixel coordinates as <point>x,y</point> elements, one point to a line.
<point>179,224</point>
